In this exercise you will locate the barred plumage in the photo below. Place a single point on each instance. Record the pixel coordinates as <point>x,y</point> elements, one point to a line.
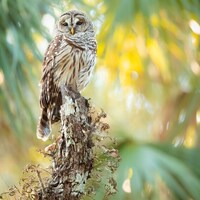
<point>69,60</point>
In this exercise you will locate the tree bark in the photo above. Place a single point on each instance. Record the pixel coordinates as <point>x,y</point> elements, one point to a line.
<point>73,155</point>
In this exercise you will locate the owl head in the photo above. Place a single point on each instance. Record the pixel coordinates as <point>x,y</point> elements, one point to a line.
<point>73,22</point>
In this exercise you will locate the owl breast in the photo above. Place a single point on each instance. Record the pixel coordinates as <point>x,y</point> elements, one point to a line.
<point>73,66</point>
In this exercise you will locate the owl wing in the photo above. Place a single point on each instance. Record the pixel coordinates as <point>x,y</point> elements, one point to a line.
<point>47,83</point>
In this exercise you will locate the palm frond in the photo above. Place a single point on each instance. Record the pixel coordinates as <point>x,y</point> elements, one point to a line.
<point>155,165</point>
<point>20,21</point>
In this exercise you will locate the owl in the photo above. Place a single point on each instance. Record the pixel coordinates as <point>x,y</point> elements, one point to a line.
<point>69,61</point>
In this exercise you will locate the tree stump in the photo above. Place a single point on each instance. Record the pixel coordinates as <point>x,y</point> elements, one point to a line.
<point>83,158</point>
<point>73,155</point>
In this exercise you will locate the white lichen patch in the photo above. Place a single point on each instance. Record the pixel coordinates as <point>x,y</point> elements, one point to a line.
<point>68,107</point>
<point>69,142</point>
<point>80,180</point>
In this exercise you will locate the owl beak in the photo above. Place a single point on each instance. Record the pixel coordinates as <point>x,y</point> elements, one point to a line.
<point>72,31</point>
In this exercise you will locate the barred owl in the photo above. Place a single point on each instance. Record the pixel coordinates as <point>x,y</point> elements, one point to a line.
<point>69,61</point>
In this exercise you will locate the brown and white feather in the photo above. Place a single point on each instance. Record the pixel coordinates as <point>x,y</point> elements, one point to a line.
<point>69,60</point>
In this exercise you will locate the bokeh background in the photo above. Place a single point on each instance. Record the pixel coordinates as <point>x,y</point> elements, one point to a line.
<point>147,79</point>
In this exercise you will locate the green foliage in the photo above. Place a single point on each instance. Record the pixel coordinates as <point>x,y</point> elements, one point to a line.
<point>20,21</point>
<point>147,80</point>
<point>155,165</point>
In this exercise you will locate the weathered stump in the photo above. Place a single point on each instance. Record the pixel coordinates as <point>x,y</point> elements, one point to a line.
<point>83,158</point>
<point>73,155</point>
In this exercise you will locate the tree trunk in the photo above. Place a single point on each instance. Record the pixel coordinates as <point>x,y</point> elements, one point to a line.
<point>73,155</point>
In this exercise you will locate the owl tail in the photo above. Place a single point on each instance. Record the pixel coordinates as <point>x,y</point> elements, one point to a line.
<point>43,128</point>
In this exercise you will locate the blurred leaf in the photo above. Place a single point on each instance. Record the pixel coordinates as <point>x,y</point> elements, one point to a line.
<point>156,164</point>
<point>18,23</point>
<point>146,79</point>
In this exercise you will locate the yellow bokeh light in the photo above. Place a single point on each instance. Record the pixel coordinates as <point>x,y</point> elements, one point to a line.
<point>1,78</point>
<point>190,137</point>
<point>194,26</point>
<point>159,59</point>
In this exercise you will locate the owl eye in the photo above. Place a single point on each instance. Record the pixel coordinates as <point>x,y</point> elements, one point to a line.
<point>64,23</point>
<point>79,23</point>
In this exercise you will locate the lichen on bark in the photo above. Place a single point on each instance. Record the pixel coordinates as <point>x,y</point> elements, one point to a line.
<point>81,160</point>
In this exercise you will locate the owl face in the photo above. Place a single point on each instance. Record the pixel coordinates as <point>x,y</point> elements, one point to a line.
<point>73,22</point>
